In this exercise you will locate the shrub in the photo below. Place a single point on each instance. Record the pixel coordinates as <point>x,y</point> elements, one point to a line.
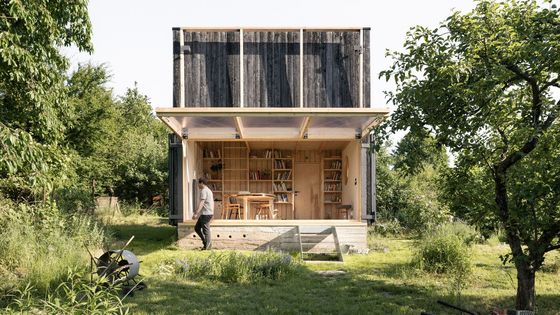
<point>234,267</point>
<point>442,252</point>
<point>467,233</point>
<point>386,228</point>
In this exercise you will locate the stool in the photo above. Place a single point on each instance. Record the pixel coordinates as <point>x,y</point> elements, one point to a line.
<point>344,210</point>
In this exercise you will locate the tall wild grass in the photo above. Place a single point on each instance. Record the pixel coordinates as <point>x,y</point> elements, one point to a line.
<point>39,243</point>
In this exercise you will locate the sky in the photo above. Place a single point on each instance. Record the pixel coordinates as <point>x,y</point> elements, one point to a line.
<point>133,37</point>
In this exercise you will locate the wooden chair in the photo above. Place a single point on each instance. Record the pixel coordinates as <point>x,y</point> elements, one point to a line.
<point>265,212</point>
<point>231,208</point>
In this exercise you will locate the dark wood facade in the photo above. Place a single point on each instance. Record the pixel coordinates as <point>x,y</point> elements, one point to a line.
<point>206,68</point>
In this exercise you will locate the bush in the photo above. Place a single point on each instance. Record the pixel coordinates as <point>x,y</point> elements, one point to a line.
<point>73,295</point>
<point>467,233</point>
<point>386,228</point>
<point>234,267</point>
<point>38,244</point>
<point>443,251</point>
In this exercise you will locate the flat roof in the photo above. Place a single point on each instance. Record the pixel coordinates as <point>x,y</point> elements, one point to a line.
<point>278,123</point>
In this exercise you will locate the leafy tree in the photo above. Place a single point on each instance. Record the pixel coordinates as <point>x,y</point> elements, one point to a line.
<point>32,93</point>
<point>482,84</point>
<point>117,142</point>
<point>407,185</point>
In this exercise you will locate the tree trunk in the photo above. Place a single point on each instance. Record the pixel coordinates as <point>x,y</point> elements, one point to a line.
<point>525,299</point>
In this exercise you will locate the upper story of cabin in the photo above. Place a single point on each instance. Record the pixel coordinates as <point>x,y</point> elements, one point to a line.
<point>271,67</point>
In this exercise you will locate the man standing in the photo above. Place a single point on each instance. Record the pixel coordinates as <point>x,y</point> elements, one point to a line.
<point>205,212</point>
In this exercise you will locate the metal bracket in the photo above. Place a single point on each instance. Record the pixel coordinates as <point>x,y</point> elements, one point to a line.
<point>186,49</point>
<point>305,135</point>
<point>359,49</point>
<point>185,133</point>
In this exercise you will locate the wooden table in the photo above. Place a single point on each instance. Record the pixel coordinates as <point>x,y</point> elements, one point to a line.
<point>248,198</point>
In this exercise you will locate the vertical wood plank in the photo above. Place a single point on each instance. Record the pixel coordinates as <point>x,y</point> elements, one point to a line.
<point>241,69</point>
<point>176,67</point>
<point>301,105</point>
<point>182,71</point>
<point>367,65</point>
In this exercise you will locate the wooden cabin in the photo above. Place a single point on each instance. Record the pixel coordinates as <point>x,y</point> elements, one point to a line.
<point>278,121</point>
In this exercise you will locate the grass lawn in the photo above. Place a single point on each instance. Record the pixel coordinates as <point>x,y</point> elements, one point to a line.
<point>378,283</point>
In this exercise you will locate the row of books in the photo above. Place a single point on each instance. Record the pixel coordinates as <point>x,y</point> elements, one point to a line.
<point>282,164</point>
<point>284,175</point>
<point>280,187</point>
<point>336,165</point>
<point>333,187</point>
<point>282,198</point>
<point>259,175</point>
<point>207,153</point>
<point>333,176</point>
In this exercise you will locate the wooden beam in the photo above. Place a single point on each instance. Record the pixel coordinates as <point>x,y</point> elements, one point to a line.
<point>304,127</point>
<point>270,111</point>
<point>181,69</point>
<point>241,71</point>
<point>270,29</point>
<point>301,68</point>
<point>239,127</point>
<point>361,83</point>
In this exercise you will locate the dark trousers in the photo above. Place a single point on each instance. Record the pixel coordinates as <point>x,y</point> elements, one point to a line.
<point>202,229</point>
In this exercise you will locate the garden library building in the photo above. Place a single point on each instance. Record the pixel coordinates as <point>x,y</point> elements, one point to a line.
<point>279,122</point>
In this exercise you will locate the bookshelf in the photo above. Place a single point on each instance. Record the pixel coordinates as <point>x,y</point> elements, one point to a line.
<point>332,183</point>
<point>212,166</point>
<point>236,167</point>
<point>232,167</point>
<point>282,182</point>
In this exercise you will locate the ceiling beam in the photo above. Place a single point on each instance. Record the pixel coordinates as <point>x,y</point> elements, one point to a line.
<point>304,127</point>
<point>239,126</point>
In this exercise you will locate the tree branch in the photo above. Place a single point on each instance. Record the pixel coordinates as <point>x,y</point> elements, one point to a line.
<point>554,82</point>
<point>551,248</point>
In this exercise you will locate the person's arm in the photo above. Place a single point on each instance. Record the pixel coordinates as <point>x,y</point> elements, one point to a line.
<point>203,197</point>
<point>200,205</point>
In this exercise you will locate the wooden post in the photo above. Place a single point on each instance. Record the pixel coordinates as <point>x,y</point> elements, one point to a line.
<point>241,71</point>
<point>181,69</point>
<point>361,84</point>
<point>176,67</point>
<point>366,67</point>
<point>364,174</point>
<point>186,179</point>
<point>301,67</point>
<point>373,179</point>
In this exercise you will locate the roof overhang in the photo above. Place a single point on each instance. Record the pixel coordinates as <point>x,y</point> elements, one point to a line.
<point>279,123</point>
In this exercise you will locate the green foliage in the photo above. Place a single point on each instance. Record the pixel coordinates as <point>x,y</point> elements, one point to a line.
<point>32,93</point>
<point>483,84</point>
<point>38,243</point>
<point>118,143</point>
<point>74,295</point>
<point>408,197</point>
<point>233,267</point>
<point>443,251</point>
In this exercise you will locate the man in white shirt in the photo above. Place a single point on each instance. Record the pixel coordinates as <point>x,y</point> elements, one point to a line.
<point>204,213</point>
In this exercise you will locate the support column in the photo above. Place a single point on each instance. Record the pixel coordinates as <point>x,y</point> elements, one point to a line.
<point>187,213</point>
<point>367,172</point>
